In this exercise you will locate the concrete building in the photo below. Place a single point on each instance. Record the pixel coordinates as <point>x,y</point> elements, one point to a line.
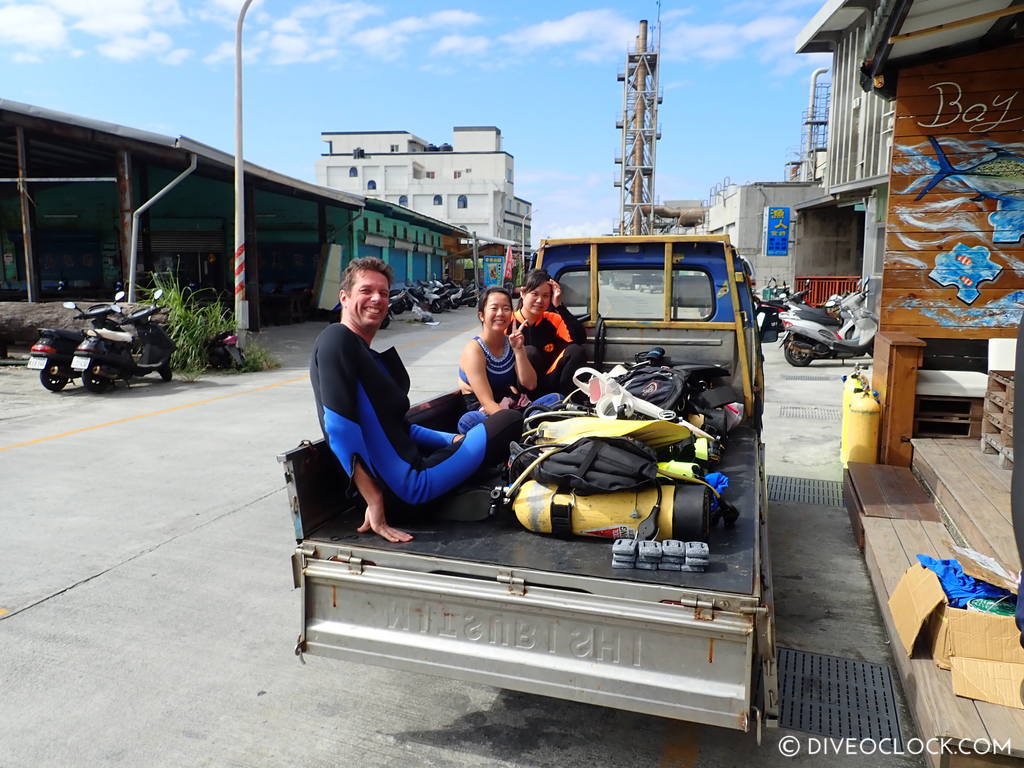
<point>469,183</point>
<point>819,245</point>
<point>855,172</point>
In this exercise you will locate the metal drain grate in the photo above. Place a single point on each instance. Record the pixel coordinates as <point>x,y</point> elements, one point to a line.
<point>803,490</point>
<point>812,412</point>
<point>808,377</point>
<point>837,697</point>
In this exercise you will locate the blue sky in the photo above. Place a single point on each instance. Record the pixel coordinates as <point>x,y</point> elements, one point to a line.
<point>545,73</point>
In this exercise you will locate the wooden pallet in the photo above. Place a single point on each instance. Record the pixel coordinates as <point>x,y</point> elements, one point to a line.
<point>936,416</point>
<point>890,547</point>
<point>997,427</point>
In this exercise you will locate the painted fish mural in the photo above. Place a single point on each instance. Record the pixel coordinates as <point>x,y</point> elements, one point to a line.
<point>1004,312</point>
<point>1000,177</point>
<point>963,268</point>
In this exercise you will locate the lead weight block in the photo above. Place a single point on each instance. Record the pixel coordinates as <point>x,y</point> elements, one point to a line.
<point>625,547</point>
<point>624,564</point>
<point>646,565</point>
<point>650,551</point>
<point>663,566</point>
<point>692,568</point>
<point>673,548</point>
<point>697,549</point>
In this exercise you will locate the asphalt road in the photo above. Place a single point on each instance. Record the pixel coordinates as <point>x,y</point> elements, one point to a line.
<point>147,616</point>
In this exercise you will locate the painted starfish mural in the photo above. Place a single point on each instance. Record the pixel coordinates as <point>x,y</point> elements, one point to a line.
<point>963,268</point>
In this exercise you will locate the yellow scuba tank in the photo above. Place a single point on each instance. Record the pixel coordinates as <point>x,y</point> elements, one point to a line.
<point>862,430</point>
<point>684,512</point>
<point>851,384</point>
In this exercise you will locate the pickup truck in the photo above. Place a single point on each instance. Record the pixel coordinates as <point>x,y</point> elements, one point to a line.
<point>493,603</point>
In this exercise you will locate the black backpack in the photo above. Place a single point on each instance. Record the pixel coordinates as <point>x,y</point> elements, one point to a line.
<point>661,386</point>
<point>599,465</point>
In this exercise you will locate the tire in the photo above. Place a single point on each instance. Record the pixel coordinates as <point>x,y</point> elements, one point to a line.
<point>165,372</point>
<point>54,382</point>
<point>96,384</point>
<point>797,357</point>
<point>386,322</point>
<point>436,307</point>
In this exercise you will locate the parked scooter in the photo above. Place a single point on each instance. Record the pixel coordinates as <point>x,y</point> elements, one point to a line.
<point>52,353</point>
<point>223,351</point>
<point>814,333</point>
<point>105,356</point>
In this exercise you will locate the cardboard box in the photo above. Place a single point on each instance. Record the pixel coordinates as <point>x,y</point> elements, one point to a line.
<point>982,649</point>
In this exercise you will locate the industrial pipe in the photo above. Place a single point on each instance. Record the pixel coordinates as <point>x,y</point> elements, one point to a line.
<point>133,261</point>
<point>809,161</point>
<point>684,217</point>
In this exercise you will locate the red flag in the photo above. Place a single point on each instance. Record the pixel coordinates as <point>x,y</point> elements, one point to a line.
<point>508,262</point>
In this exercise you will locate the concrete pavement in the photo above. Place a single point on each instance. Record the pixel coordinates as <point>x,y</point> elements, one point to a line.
<point>150,617</point>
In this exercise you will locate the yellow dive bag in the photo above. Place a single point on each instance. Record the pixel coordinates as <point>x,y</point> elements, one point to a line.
<point>684,512</point>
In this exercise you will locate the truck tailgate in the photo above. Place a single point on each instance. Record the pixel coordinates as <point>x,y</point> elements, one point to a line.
<point>660,650</point>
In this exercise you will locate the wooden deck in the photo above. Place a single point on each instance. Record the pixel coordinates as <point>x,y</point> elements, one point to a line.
<point>973,494</point>
<point>964,498</point>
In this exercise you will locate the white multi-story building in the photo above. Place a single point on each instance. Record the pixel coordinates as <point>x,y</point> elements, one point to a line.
<point>468,183</point>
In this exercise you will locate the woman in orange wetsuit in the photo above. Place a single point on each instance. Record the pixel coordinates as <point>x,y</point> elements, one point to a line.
<point>553,337</point>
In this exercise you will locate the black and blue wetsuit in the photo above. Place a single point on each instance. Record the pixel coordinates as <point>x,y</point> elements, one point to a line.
<point>362,398</point>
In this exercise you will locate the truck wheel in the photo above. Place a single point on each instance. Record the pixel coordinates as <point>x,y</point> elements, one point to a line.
<point>95,384</point>
<point>797,356</point>
<point>165,372</point>
<point>52,381</point>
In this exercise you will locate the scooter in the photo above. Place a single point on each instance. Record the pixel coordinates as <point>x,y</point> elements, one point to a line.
<point>815,334</point>
<point>105,356</point>
<point>223,351</point>
<point>52,353</point>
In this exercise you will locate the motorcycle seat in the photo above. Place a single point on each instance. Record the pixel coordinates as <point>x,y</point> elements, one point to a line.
<point>109,335</point>
<point>818,316</point>
<point>60,333</point>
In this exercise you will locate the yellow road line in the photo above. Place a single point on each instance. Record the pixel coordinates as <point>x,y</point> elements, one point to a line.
<point>150,413</point>
<point>115,422</point>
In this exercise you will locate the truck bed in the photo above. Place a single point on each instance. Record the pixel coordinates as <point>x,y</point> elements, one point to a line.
<point>507,543</point>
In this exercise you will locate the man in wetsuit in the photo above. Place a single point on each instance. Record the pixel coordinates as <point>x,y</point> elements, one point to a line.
<point>362,398</point>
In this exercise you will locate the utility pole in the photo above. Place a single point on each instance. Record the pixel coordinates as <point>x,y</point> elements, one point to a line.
<point>241,304</point>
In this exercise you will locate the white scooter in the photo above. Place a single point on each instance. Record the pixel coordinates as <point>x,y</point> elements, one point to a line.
<point>811,334</point>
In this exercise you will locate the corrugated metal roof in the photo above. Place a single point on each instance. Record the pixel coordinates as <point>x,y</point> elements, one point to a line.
<point>184,144</point>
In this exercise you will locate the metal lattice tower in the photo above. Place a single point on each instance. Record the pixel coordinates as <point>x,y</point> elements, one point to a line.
<point>640,133</point>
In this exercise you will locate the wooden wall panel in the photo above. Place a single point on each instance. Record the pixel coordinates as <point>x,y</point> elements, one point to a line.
<point>954,261</point>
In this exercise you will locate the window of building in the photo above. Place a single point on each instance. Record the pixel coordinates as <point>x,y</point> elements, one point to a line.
<point>438,200</point>
<point>457,174</point>
<point>508,175</point>
<point>371,184</point>
<point>403,200</point>
<point>378,225</point>
<point>462,202</point>
<point>394,147</point>
<point>430,175</point>
<point>469,170</point>
<point>353,171</point>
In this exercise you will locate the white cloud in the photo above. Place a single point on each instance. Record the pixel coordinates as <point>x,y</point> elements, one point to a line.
<point>388,40</point>
<point>461,45</point>
<point>176,57</point>
<point>25,58</point>
<point>31,26</point>
<point>223,51</point>
<point>600,33</point>
<point>768,38</point>
<point>119,18</point>
<point>129,48</point>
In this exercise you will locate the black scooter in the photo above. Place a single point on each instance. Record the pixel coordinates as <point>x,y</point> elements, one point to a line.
<point>106,356</point>
<point>52,353</point>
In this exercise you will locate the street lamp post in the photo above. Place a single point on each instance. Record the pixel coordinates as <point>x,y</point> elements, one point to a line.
<point>527,214</point>
<point>241,304</point>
